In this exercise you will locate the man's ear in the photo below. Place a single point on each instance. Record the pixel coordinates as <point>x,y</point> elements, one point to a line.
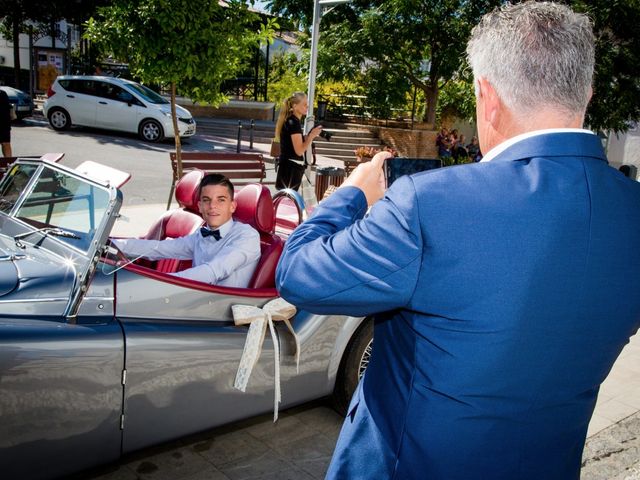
<point>234,205</point>
<point>490,101</point>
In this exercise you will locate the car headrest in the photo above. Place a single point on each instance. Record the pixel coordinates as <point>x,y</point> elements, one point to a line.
<point>187,190</point>
<point>255,207</point>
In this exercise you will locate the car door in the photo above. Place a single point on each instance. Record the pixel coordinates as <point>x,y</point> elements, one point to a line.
<point>117,109</point>
<point>60,387</point>
<point>81,101</point>
<point>183,352</point>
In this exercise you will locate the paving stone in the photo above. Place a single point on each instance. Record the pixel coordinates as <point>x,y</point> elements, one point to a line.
<point>286,430</point>
<point>316,468</point>
<point>310,448</point>
<point>290,474</point>
<point>614,452</point>
<point>230,447</point>
<point>180,463</point>
<point>266,464</point>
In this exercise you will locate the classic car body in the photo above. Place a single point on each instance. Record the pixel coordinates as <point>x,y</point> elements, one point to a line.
<point>100,358</point>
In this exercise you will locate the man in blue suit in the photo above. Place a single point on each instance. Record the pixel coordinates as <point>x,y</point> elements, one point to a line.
<point>507,287</point>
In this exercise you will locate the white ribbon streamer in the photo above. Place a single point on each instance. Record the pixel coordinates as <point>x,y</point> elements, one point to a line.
<point>259,318</point>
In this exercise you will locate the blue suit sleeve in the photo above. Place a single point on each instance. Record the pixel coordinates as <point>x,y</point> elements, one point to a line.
<point>339,262</point>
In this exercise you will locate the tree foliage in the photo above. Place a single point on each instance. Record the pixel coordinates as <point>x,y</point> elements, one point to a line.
<point>403,44</point>
<point>396,44</point>
<point>286,75</point>
<point>22,16</point>
<point>190,45</point>
<point>194,44</point>
<point>615,104</point>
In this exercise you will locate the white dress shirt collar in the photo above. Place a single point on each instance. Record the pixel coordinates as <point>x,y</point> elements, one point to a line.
<point>222,229</point>
<point>498,149</point>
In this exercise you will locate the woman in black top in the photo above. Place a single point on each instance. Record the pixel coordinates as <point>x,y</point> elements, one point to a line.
<point>5,124</point>
<point>293,144</point>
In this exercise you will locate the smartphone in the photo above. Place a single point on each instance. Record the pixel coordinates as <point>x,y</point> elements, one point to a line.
<point>396,167</point>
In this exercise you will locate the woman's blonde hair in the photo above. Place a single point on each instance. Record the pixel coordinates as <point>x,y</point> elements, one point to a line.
<point>287,109</point>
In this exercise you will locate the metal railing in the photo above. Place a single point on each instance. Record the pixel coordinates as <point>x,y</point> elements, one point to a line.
<point>357,108</point>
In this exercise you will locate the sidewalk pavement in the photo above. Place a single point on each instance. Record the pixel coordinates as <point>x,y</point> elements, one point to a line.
<point>300,444</point>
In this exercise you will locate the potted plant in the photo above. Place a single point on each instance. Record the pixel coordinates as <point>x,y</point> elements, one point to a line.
<point>364,154</point>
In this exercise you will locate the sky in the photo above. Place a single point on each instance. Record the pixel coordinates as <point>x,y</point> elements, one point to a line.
<point>261,6</point>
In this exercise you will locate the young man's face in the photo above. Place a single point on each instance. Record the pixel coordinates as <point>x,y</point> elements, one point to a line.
<point>216,205</point>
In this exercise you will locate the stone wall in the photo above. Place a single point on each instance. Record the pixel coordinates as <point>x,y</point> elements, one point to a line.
<point>420,142</point>
<point>235,109</point>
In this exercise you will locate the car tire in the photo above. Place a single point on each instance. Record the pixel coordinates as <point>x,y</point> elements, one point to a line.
<point>151,130</point>
<point>352,366</point>
<point>59,119</point>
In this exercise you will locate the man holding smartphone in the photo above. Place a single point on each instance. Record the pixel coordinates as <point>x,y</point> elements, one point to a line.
<point>496,285</point>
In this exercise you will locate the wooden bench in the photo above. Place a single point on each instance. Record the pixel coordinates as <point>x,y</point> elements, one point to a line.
<point>6,161</point>
<point>240,168</point>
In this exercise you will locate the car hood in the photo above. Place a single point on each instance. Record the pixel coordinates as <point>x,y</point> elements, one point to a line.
<point>15,95</point>
<point>8,274</point>
<point>180,111</point>
<point>34,274</point>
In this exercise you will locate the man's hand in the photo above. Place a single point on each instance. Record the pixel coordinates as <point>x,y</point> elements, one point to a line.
<point>369,177</point>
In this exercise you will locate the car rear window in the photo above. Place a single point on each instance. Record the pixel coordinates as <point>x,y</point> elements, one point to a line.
<point>88,87</point>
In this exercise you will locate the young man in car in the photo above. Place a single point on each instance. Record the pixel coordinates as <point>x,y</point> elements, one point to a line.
<point>224,252</point>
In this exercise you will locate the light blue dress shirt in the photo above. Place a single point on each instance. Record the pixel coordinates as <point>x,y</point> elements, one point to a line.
<point>228,262</point>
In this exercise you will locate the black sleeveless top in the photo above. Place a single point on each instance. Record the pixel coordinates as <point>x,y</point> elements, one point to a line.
<point>291,126</point>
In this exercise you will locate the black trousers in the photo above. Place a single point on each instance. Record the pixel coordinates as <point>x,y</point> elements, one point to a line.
<point>289,174</point>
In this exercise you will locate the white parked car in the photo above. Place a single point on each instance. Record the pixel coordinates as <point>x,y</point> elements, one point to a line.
<point>115,104</point>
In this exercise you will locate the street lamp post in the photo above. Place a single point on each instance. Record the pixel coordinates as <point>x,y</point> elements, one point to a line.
<point>320,7</point>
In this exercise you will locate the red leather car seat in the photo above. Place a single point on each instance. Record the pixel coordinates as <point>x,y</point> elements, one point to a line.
<point>255,207</point>
<point>180,221</point>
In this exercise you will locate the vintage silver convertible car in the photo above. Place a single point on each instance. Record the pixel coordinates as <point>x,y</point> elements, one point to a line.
<point>100,356</point>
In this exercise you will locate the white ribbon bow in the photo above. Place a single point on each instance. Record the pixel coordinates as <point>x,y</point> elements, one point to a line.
<point>259,318</point>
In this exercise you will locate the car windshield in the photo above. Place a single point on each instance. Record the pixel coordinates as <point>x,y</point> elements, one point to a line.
<point>146,93</point>
<point>50,199</point>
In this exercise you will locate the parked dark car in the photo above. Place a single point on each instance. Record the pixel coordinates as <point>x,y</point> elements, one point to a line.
<point>22,102</point>
<point>100,356</point>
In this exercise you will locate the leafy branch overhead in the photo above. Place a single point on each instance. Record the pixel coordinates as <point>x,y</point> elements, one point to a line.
<point>194,44</point>
<point>391,47</point>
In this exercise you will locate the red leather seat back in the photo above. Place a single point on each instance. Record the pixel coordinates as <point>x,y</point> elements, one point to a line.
<point>180,221</point>
<point>255,207</point>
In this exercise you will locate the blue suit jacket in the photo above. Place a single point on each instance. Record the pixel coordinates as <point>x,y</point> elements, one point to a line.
<point>508,289</point>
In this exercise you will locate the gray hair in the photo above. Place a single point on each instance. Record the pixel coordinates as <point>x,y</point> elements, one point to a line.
<point>535,54</point>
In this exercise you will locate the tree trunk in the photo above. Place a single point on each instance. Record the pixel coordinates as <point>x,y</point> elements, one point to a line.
<point>431,101</point>
<point>176,132</point>
<point>15,31</point>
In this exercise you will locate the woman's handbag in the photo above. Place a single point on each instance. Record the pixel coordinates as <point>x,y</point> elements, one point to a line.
<point>12,112</point>
<point>275,148</point>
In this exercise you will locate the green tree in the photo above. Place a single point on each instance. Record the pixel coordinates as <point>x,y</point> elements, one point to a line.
<point>396,44</point>
<point>17,17</point>
<point>616,86</point>
<point>23,16</point>
<point>192,46</point>
<point>286,75</point>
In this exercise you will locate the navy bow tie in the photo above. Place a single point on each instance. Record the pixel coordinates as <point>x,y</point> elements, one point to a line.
<point>206,232</point>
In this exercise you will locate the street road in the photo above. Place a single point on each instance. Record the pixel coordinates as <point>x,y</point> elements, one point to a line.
<point>147,162</point>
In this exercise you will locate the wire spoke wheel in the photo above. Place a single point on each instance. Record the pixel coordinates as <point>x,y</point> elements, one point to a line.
<point>354,363</point>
